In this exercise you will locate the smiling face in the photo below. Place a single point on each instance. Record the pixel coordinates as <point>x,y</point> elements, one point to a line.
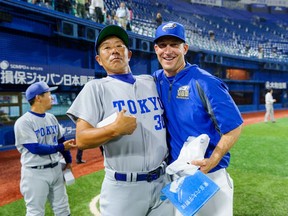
<point>114,56</point>
<point>170,53</point>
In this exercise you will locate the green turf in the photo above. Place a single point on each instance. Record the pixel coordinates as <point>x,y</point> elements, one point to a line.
<point>258,168</point>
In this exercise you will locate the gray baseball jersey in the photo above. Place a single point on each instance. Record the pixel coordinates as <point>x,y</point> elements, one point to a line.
<point>37,185</point>
<point>42,129</point>
<point>146,148</point>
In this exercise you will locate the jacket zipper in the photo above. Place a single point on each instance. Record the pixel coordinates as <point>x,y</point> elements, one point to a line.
<point>170,91</point>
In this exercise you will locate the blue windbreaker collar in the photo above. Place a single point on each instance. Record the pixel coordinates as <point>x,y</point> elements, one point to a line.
<point>179,74</point>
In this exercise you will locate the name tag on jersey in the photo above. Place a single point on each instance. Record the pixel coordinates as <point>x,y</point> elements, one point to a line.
<point>189,193</point>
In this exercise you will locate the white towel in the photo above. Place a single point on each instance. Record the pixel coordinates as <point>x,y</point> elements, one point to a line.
<point>193,149</point>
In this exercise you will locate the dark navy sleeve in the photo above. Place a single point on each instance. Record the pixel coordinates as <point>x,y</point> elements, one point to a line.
<point>66,154</point>
<point>61,140</point>
<point>44,149</point>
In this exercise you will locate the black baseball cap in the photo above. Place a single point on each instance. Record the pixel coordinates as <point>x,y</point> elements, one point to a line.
<point>111,30</point>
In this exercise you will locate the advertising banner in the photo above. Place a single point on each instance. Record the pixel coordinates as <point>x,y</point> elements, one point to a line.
<point>16,73</point>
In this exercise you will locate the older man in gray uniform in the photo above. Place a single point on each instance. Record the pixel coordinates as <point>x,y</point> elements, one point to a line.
<point>134,142</point>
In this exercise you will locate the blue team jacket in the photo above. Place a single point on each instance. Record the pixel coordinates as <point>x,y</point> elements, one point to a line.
<point>186,115</point>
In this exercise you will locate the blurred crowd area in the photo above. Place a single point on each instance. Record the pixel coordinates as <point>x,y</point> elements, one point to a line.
<point>95,10</point>
<point>236,32</point>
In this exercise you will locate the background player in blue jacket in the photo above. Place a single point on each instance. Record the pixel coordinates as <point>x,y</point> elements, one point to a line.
<point>181,87</point>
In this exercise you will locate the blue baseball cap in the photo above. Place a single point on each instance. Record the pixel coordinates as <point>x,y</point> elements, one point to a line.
<point>37,89</point>
<point>111,30</point>
<point>173,29</point>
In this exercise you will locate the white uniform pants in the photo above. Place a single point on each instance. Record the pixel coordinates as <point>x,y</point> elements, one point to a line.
<point>140,198</point>
<point>38,185</point>
<point>221,204</point>
<point>269,112</point>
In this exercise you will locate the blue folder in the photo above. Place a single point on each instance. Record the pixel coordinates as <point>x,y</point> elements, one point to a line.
<point>189,193</point>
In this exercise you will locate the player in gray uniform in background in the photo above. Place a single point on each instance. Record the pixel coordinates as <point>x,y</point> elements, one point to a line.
<point>135,143</point>
<point>269,103</point>
<point>39,139</point>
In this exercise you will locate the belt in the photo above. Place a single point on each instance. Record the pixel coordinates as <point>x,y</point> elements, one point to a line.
<point>149,177</point>
<point>51,165</point>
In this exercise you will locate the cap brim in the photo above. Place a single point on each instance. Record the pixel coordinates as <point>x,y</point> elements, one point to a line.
<point>112,30</point>
<point>53,88</point>
<point>168,35</point>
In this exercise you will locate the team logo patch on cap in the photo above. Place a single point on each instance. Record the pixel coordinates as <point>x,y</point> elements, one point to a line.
<point>169,26</point>
<point>172,29</point>
<point>183,92</point>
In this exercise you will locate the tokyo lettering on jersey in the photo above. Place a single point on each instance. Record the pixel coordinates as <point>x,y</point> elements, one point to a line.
<point>146,147</point>
<point>37,128</point>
